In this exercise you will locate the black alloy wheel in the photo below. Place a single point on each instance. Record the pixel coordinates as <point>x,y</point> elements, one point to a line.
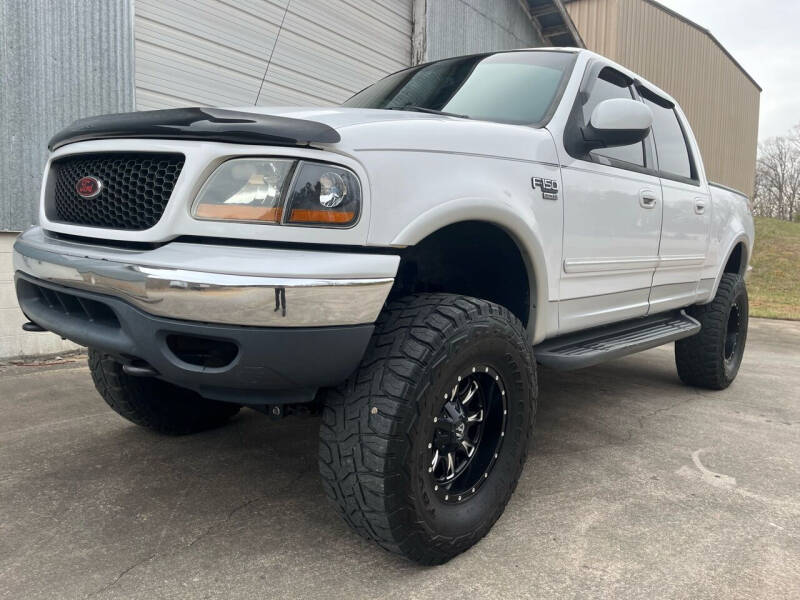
<point>468,434</point>
<point>732,334</point>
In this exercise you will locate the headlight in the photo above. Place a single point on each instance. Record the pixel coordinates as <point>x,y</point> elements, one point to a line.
<point>245,189</point>
<point>264,190</point>
<point>323,195</point>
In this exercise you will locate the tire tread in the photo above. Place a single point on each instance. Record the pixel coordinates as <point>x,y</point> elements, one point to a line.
<point>363,455</point>
<point>699,358</point>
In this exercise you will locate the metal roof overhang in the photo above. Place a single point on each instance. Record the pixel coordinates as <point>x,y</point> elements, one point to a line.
<point>553,22</point>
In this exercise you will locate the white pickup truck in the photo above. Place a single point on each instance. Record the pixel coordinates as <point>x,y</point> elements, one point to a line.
<point>399,263</point>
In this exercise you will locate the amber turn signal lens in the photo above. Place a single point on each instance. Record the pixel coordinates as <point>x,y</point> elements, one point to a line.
<point>306,216</point>
<point>238,212</point>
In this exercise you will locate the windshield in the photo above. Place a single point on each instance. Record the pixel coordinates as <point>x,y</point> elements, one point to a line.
<point>509,87</point>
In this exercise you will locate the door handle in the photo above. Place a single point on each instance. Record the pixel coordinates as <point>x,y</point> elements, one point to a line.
<point>699,205</point>
<point>647,199</point>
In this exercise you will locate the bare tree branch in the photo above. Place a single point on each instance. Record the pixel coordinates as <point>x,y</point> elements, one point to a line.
<point>777,184</point>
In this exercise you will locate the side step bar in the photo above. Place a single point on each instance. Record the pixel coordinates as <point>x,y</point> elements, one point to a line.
<point>587,348</point>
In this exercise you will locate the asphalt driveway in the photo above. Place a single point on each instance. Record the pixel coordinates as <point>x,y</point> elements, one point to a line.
<point>635,487</point>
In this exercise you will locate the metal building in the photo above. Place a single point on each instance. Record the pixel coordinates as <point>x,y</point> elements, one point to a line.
<point>314,52</point>
<point>720,99</point>
<point>209,52</point>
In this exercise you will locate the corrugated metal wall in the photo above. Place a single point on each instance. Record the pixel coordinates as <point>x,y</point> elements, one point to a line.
<point>719,99</point>
<point>456,27</point>
<point>215,52</point>
<point>598,24</point>
<point>59,60</point>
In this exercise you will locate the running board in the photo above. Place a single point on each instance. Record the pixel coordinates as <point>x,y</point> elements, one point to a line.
<point>587,348</point>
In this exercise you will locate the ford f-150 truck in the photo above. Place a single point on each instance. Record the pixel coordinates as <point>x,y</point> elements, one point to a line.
<point>399,263</point>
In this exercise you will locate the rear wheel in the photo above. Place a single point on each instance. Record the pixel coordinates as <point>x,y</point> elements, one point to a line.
<point>155,404</point>
<point>422,448</point>
<point>711,359</point>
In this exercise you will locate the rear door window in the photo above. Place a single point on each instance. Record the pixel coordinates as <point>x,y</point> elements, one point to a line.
<point>671,146</point>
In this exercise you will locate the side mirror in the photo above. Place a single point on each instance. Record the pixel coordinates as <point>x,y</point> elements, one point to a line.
<point>617,122</point>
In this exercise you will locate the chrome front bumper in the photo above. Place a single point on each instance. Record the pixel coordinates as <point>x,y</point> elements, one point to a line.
<point>230,285</point>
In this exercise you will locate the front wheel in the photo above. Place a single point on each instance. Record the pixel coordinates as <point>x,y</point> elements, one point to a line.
<point>422,448</point>
<point>711,358</point>
<point>155,404</point>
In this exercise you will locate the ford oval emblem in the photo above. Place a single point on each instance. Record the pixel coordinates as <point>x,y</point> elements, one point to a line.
<point>88,187</point>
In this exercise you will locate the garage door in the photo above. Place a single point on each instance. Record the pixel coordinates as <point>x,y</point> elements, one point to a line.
<point>216,52</point>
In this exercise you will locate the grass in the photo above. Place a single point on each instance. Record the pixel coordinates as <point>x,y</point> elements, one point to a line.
<point>774,282</point>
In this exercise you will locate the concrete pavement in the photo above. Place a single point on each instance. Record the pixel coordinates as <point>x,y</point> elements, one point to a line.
<point>635,487</point>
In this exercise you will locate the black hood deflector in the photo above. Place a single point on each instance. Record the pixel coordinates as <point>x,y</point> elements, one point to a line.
<point>208,124</point>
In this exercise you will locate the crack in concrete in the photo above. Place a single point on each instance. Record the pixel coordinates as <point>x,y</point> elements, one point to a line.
<point>663,409</point>
<point>218,524</point>
<point>122,574</point>
<point>203,535</point>
<point>244,505</point>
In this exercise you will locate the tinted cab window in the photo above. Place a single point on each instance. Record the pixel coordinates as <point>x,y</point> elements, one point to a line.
<point>671,147</point>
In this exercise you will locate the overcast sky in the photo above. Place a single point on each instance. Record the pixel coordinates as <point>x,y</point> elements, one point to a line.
<point>764,37</point>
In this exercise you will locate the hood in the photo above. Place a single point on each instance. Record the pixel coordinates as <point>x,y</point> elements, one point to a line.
<point>338,117</point>
<point>369,129</point>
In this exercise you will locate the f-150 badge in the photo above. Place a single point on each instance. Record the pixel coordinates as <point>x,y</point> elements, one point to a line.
<point>549,187</point>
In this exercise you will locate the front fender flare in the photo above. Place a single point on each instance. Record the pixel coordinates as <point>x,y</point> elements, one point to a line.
<point>523,229</point>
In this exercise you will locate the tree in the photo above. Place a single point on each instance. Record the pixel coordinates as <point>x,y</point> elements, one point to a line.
<point>776,191</point>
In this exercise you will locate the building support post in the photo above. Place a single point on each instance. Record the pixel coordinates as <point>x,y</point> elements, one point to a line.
<point>419,41</point>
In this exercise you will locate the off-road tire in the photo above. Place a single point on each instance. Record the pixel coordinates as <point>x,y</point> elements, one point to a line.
<point>155,404</point>
<point>375,427</point>
<point>701,359</point>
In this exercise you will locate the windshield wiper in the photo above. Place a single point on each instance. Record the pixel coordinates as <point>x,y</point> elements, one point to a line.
<point>422,109</point>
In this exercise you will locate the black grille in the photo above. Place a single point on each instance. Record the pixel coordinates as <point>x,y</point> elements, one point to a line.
<point>136,187</point>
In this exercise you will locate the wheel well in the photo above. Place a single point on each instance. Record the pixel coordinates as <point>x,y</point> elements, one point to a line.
<point>472,258</point>
<point>735,260</point>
